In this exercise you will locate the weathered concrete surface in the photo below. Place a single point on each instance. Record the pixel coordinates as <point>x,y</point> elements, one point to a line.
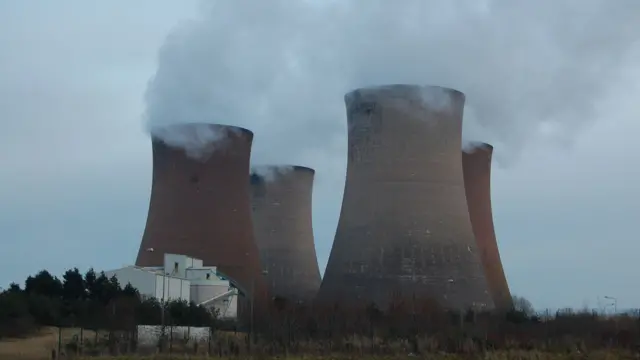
<point>200,203</point>
<point>404,228</point>
<point>476,165</point>
<point>281,203</point>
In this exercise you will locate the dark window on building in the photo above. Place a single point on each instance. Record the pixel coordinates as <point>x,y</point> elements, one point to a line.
<point>208,276</point>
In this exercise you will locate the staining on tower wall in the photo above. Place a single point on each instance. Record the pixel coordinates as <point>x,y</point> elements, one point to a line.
<point>200,202</point>
<point>476,164</point>
<point>404,228</point>
<point>281,202</point>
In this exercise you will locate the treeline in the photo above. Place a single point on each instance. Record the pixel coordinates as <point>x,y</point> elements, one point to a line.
<point>93,301</point>
<point>421,326</point>
<point>90,301</point>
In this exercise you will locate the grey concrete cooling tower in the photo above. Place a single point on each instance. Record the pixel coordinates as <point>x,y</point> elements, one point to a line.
<point>476,165</point>
<point>281,200</point>
<point>404,228</point>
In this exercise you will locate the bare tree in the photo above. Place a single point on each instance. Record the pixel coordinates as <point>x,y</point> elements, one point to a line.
<point>523,305</point>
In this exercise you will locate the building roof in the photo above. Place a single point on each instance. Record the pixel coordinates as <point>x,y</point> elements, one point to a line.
<point>149,270</point>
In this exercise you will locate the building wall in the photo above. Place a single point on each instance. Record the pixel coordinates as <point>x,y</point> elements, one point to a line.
<point>404,229</point>
<point>201,274</point>
<point>174,288</point>
<point>178,265</point>
<point>197,263</point>
<point>200,202</point>
<point>201,293</point>
<point>148,336</point>
<point>149,283</point>
<point>228,310</point>
<point>141,279</point>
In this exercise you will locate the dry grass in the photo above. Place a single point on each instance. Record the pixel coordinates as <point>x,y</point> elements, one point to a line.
<point>507,355</point>
<point>40,345</point>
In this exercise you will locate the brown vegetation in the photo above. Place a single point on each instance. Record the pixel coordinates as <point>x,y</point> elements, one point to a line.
<point>413,327</point>
<point>298,331</point>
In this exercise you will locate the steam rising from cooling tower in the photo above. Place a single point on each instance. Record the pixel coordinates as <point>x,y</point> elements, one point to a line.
<point>271,172</point>
<point>404,229</point>
<point>198,141</point>
<point>525,66</point>
<point>281,201</point>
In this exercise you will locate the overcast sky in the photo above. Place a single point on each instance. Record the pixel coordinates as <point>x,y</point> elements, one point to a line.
<point>554,88</point>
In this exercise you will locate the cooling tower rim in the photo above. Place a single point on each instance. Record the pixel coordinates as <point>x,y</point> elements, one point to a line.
<point>304,168</point>
<point>479,146</point>
<point>187,125</point>
<point>254,169</point>
<point>404,87</point>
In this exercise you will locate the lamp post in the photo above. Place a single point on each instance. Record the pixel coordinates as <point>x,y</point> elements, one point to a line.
<point>164,280</point>
<point>615,303</point>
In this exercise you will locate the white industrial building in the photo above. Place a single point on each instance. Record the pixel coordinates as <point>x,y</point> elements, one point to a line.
<point>182,278</point>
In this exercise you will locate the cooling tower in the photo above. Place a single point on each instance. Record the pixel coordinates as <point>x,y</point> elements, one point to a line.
<point>404,229</point>
<point>200,201</point>
<point>281,201</point>
<point>476,165</point>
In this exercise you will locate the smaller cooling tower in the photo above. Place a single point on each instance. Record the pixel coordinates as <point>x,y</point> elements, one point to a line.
<point>281,201</point>
<point>476,164</point>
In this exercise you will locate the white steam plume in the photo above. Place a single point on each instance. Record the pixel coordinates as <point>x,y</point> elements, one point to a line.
<point>281,68</point>
<point>271,172</point>
<point>198,141</point>
<point>436,98</point>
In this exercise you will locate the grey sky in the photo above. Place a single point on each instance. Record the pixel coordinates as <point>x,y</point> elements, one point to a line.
<point>553,87</point>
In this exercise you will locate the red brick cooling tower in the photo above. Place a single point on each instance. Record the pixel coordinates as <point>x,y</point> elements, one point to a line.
<point>476,165</point>
<point>404,228</point>
<point>200,201</point>
<point>281,201</point>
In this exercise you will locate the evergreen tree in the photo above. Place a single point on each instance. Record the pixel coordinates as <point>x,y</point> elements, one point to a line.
<point>43,283</point>
<point>73,285</point>
<point>90,283</point>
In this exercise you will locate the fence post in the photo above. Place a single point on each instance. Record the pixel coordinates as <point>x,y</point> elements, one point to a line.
<point>209,343</point>
<point>59,340</point>
<point>170,339</point>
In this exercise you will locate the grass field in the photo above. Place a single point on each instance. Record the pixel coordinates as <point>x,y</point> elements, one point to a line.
<point>514,355</point>
<point>39,346</point>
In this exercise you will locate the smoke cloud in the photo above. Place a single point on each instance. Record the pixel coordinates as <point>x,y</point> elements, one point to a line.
<point>436,98</point>
<point>271,172</point>
<point>198,141</point>
<point>532,72</point>
<point>281,68</point>
<point>406,97</point>
<point>471,146</point>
